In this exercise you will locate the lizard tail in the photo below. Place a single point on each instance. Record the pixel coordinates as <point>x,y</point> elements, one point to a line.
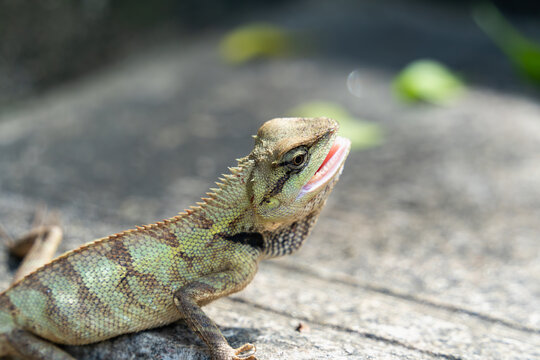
<point>6,328</point>
<point>20,343</point>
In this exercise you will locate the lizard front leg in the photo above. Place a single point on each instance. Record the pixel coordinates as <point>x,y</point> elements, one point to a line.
<point>204,290</point>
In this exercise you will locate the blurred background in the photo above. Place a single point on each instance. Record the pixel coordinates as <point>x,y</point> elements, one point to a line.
<point>47,43</point>
<point>116,113</point>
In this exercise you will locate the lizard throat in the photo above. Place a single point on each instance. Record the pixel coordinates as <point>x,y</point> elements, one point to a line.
<point>330,167</point>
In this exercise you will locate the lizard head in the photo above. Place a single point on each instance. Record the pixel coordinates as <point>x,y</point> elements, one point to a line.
<point>297,163</point>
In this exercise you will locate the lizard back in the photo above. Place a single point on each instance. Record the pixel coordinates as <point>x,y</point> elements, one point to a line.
<point>125,282</point>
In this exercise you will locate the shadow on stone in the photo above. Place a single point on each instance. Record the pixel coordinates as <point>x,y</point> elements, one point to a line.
<point>175,341</point>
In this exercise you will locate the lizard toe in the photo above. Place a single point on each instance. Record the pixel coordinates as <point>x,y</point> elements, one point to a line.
<point>239,352</point>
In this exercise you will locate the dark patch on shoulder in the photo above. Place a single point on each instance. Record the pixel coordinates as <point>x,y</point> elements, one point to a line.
<point>253,239</point>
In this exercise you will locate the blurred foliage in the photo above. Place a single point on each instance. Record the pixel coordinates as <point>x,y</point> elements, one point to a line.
<point>524,53</point>
<point>429,81</point>
<point>362,134</point>
<point>256,41</point>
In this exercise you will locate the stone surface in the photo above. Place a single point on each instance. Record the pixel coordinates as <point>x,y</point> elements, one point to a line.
<point>428,247</point>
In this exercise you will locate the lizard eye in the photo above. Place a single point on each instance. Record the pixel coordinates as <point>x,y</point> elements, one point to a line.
<point>297,158</point>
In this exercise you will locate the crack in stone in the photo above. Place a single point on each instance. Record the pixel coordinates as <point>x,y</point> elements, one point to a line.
<point>411,298</point>
<point>364,334</point>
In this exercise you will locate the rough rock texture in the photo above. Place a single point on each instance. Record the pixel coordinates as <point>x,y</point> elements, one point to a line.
<point>428,248</point>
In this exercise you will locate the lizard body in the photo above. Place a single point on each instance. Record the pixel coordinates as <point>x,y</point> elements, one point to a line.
<point>159,273</point>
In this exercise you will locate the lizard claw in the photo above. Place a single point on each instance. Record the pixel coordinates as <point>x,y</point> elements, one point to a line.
<point>244,352</point>
<point>245,348</point>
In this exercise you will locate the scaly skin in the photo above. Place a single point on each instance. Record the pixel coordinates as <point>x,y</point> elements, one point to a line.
<point>159,273</point>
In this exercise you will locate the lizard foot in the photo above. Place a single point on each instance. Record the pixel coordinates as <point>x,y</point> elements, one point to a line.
<point>245,348</point>
<point>236,354</point>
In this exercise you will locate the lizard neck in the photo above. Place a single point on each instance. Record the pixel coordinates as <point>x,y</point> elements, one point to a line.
<point>228,212</point>
<point>227,209</point>
<point>288,238</point>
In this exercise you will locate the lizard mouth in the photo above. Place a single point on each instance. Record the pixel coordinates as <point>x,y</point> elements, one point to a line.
<point>332,165</point>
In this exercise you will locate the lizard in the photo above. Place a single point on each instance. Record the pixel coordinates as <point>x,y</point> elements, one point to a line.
<point>159,273</point>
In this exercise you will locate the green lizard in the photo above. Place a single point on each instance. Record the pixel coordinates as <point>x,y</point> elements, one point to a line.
<point>159,273</point>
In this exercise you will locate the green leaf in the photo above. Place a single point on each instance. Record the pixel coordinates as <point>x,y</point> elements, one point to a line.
<point>427,80</point>
<point>524,53</point>
<point>256,41</point>
<point>362,134</point>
